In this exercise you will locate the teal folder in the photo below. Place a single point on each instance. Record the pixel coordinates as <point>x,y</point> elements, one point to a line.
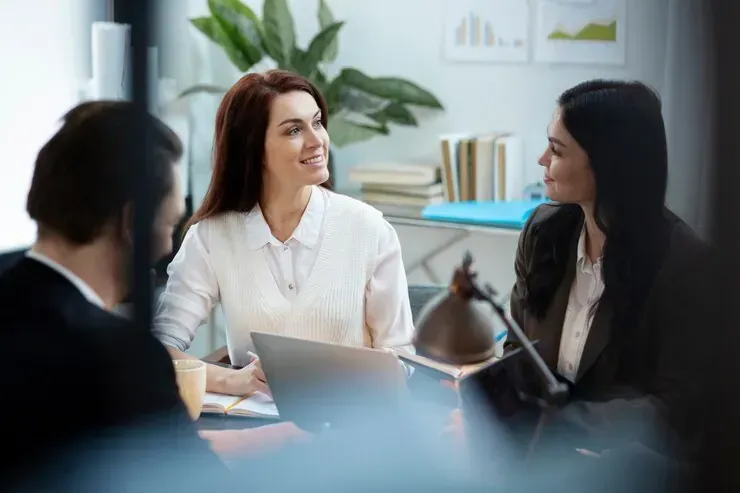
<point>511,215</point>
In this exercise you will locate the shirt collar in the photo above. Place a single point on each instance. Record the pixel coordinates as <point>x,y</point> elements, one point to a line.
<point>306,233</point>
<point>582,261</point>
<point>81,285</point>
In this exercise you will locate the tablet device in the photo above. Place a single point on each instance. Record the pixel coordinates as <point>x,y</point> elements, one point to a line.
<point>500,419</point>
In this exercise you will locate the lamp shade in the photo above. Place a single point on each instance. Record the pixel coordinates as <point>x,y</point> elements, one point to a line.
<point>454,327</point>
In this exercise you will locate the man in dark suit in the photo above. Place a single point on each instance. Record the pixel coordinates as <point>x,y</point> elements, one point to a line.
<point>79,381</point>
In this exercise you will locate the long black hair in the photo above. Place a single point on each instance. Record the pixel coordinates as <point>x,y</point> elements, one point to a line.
<point>620,126</point>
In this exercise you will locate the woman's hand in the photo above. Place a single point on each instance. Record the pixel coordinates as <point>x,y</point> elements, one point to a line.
<point>247,380</point>
<point>455,430</point>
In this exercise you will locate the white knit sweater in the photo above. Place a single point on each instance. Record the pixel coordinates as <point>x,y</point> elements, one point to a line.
<point>330,307</point>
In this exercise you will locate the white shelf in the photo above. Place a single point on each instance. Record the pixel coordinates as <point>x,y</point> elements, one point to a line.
<point>469,228</point>
<point>460,232</point>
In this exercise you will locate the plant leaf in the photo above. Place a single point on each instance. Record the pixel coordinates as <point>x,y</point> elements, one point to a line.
<point>344,132</point>
<point>358,101</point>
<point>279,31</point>
<point>296,57</point>
<point>320,79</point>
<point>241,15</point>
<point>242,26</point>
<point>202,88</point>
<point>395,113</point>
<point>391,88</point>
<point>208,26</point>
<point>332,94</point>
<point>318,47</point>
<point>326,18</point>
<point>213,31</point>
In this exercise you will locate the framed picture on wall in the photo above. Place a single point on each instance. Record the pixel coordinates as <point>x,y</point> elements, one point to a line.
<point>486,30</point>
<point>581,32</point>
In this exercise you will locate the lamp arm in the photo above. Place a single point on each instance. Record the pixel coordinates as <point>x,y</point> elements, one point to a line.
<point>557,391</point>
<point>464,286</point>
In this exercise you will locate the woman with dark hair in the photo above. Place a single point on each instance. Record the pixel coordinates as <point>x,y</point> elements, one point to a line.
<point>274,246</point>
<point>609,281</point>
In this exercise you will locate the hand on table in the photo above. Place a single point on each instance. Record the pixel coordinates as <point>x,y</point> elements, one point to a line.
<point>248,380</point>
<point>454,427</point>
<point>453,385</point>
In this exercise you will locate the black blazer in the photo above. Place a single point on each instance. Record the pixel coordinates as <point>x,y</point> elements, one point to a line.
<point>658,373</point>
<point>73,373</point>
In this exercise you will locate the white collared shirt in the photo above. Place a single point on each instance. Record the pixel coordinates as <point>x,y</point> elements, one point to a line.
<point>585,293</point>
<point>81,285</point>
<point>290,262</point>
<point>193,289</point>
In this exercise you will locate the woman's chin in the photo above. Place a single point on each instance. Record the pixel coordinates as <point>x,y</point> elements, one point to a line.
<point>551,193</point>
<point>317,176</point>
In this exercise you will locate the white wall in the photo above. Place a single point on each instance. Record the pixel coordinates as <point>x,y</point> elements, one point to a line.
<point>404,38</point>
<point>44,48</point>
<point>477,97</point>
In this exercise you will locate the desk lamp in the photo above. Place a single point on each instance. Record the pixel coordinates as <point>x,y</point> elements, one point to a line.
<point>454,328</point>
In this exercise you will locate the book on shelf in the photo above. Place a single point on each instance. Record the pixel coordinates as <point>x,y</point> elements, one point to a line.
<point>400,199</point>
<point>430,190</point>
<point>482,167</point>
<point>394,173</point>
<point>399,189</point>
<point>257,405</point>
<point>395,210</point>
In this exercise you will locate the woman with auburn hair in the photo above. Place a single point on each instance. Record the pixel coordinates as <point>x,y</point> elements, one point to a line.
<point>275,246</point>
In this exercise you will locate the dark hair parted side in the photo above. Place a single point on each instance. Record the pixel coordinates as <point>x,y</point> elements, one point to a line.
<point>620,126</point>
<point>83,176</point>
<point>239,140</point>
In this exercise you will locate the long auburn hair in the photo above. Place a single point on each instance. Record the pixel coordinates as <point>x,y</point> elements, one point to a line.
<point>620,126</point>
<point>239,141</point>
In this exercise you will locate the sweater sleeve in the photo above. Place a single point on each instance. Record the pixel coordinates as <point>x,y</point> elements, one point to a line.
<point>191,292</point>
<point>387,307</point>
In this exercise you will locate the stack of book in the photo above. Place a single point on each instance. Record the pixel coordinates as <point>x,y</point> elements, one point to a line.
<point>482,167</point>
<point>399,189</point>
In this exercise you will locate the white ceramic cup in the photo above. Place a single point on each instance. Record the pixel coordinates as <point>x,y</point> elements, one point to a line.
<point>191,381</point>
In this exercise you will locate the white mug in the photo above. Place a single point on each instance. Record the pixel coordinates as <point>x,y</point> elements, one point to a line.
<point>191,382</point>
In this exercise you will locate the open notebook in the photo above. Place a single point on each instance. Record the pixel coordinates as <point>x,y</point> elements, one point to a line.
<point>257,405</point>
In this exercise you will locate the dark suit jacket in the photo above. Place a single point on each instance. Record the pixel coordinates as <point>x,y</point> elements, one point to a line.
<point>77,378</point>
<point>654,378</point>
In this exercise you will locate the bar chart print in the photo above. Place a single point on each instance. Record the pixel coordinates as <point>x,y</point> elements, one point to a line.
<point>487,31</point>
<point>471,31</point>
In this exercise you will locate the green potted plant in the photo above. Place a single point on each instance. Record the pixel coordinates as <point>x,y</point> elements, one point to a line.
<point>360,106</point>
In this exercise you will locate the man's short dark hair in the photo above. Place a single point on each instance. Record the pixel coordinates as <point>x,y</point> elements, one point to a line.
<point>84,177</point>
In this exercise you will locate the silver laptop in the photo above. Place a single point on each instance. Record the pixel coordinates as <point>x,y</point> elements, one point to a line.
<point>319,385</point>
